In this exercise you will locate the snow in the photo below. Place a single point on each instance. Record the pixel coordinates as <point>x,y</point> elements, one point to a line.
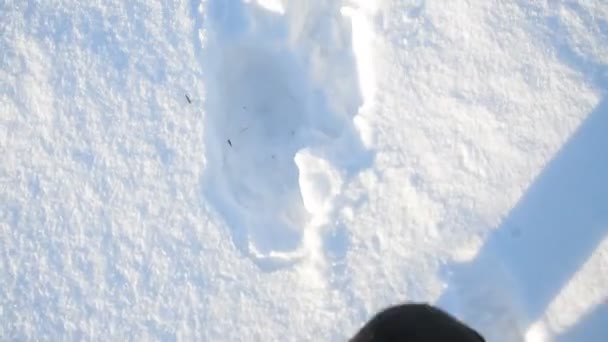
<point>280,170</point>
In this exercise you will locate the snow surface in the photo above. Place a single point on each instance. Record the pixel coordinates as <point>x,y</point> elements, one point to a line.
<point>278,170</point>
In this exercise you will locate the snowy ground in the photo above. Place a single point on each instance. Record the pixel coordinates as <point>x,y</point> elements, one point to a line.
<point>271,170</point>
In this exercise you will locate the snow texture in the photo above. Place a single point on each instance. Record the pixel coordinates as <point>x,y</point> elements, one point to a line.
<point>279,170</point>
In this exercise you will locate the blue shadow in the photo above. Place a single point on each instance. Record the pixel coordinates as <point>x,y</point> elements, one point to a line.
<point>563,216</point>
<point>557,224</point>
<point>593,327</point>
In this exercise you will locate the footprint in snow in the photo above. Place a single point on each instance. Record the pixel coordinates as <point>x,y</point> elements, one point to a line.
<point>267,108</point>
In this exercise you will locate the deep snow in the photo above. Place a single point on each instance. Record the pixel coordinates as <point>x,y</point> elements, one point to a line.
<point>280,170</point>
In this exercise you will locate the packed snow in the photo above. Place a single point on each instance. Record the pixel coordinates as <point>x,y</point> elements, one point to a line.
<point>280,170</point>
